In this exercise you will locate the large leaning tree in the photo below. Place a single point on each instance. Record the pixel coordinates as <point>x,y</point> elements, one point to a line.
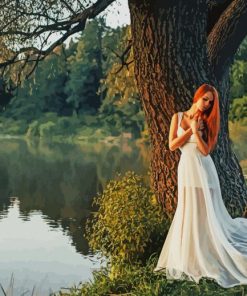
<point>177,44</point>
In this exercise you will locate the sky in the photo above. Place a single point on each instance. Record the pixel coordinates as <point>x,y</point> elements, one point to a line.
<point>118,14</point>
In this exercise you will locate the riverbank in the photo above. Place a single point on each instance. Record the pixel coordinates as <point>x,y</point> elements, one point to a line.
<point>142,281</point>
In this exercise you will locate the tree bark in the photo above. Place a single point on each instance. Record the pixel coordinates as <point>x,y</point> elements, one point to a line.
<point>233,184</point>
<point>226,36</point>
<point>223,42</point>
<point>171,61</point>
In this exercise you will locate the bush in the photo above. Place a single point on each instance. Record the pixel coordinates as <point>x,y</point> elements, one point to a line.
<point>89,120</point>
<point>15,127</point>
<point>33,129</point>
<point>129,224</point>
<point>46,129</point>
<point>64,126</point>
<point>238,137</point>
<point>49,116</point>
<point>86,131</point>
<point>100,134</point>
<point>238,110</point>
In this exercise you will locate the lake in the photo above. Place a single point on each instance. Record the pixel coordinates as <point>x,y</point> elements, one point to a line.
<point>46,190</point>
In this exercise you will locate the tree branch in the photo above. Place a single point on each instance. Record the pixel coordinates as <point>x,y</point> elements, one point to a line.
<point>68,6</point>
<point>123,57</point>
<point>75,24</point>
<point>226,36</point>
<point>215,10</point>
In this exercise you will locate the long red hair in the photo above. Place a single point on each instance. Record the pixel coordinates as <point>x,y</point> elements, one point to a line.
<point>211,116</point>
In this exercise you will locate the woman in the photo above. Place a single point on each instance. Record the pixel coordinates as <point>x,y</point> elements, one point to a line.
<point>203,239</point>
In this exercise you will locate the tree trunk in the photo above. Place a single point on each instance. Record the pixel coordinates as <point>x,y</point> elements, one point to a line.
<point>233,184</point>
<point>171,61</point>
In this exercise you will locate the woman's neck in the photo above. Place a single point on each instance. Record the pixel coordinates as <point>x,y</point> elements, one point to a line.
<point>192,111</point>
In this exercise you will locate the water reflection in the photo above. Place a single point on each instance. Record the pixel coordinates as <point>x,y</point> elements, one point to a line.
<point>59,180</point>
<point>37,255</point>
<point>46,191</point>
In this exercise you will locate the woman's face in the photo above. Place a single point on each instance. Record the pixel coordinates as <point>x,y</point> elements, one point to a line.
<point>205,101</point>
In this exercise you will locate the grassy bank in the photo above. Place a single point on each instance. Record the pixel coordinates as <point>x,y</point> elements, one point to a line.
<point>142,281</point>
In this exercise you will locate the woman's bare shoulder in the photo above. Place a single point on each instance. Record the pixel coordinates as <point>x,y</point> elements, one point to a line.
<point>174,119</point>
<point>175,115</point>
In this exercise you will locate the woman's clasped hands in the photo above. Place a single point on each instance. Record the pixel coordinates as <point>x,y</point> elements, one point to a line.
<point>196,125</point>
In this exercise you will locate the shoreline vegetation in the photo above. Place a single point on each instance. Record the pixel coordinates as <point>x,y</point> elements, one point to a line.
<point>71,130</point>
<point>142,281</point>
<point>63,129</point>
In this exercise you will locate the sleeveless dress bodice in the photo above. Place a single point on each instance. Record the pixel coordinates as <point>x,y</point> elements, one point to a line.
<point>180,130</point>
<point>191,144</point>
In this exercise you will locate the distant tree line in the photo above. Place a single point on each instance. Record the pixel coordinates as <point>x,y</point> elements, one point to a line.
<point>87,79</point>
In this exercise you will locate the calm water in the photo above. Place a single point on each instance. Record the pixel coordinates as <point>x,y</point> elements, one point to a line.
<point>45,196</point>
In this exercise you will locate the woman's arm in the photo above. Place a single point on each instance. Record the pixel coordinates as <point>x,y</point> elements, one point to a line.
<point>175,141</point>
<point>201,144</point>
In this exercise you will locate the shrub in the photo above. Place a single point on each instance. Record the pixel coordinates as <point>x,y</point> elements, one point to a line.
<point>88,120</point>
<point>49,116</point>
<point>129,224</point>
<point>15,127</point>
<point>46,129</point>
<point>101,133</point>
<point>238,110</point>
<point>33,129</point>
<point>86,131</point>
<point>64,125</point>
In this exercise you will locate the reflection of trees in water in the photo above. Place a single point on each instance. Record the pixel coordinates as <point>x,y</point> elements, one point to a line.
<point>60,180</point>
<point>4,189</point>
<point>113,160</point>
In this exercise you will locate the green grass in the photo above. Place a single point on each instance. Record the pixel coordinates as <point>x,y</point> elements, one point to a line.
<point>142,281</point>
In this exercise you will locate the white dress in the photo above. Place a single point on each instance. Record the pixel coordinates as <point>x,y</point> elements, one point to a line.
<point>203,239</point>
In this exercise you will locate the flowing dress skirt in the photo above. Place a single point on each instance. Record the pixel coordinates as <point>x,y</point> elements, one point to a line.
<point>203,239</point>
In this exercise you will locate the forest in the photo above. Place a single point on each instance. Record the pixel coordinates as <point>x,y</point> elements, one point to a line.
<point>75,92</point>
<point>82,92</point>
